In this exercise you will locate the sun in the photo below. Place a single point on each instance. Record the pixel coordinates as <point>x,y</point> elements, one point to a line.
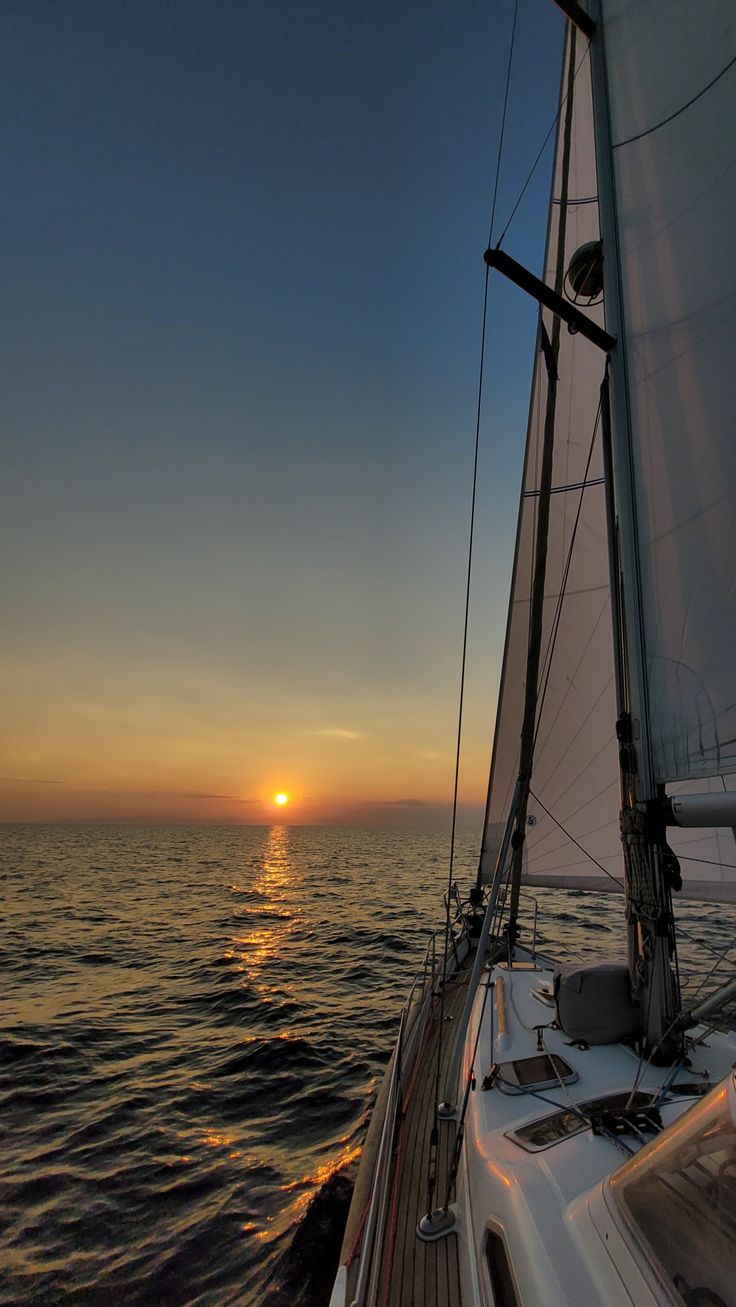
<point>281,799</point>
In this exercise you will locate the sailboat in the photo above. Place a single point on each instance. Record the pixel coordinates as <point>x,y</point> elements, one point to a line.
<point>550,1133</point>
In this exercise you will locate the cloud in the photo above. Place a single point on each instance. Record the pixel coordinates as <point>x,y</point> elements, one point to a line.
<point>230,798</point>
<point>337,733</point>
<point>27,780</point>
<point>411,803</point>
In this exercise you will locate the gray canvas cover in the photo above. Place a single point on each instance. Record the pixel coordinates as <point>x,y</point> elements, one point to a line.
<point>594,1002</point>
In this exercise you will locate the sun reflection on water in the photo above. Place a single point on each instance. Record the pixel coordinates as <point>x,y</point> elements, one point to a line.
<point>314,1179</point>
<point>271,918</point>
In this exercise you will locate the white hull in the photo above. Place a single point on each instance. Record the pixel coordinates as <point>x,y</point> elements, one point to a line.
<point>565,1244</point>
<point>562,1235</point>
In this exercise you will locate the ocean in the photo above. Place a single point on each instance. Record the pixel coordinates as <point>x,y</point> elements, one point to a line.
<point>194,1022</point>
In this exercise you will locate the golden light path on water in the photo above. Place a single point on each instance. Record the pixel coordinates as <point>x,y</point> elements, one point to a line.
<point>254,948</point>
<point>277,908</point>
<point>263,942</point>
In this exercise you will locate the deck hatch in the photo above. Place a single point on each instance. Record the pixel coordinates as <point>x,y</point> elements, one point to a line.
<point>543,1071</point>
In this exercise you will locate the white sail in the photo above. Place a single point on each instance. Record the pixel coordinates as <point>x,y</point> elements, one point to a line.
<point>576,758</point>
<point>572,830</point>
<point>673,106</point>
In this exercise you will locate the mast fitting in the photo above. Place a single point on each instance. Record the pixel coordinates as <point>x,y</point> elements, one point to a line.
<point>544,294</point>
<point>626,750</point>
<point>578,16</point>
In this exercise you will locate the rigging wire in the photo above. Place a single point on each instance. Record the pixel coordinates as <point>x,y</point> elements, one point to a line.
<point>503,124</point>
<point>470,560</point>
<point>645,1062</point>
<point>707,862</point>
<point>542,148</point>
<point>588,763</point>
<point>589,856</point>
<point>608,742</point>
<point>547,667</point>
<point>571,682</point>
<point>721,958</point>
<point>565,576</point>
<point>699,943</point>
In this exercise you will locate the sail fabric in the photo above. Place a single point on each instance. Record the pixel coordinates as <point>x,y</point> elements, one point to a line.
<point>575,776</point>
<point>673,108</point>
<point>572,834</point>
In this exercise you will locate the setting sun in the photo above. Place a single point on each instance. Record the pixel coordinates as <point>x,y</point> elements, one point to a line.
<point>281,799</point>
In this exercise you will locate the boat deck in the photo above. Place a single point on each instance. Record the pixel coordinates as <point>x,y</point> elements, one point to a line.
<point>415,1273</point>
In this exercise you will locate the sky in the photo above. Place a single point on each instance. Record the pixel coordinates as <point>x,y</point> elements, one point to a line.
<point>243,285</point>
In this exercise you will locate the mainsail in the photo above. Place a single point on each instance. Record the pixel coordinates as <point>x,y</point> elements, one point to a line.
<point>674,154</point>
<point>572,822</point>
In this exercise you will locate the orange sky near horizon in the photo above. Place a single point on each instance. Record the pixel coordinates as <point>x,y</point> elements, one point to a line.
<point>83,762</point>
<point>243,297</point>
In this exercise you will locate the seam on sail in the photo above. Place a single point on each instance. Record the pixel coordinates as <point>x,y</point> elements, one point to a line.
<point>561,490</point>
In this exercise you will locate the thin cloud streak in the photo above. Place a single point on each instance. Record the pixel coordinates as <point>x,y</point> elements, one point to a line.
<point>28,780</point>
<point>337,733</point>
<point>229,798</point>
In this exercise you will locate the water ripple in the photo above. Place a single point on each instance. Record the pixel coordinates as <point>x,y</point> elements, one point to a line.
<point>194,1025</point>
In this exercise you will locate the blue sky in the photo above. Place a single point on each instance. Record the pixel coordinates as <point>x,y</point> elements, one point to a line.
<point>243,289</point>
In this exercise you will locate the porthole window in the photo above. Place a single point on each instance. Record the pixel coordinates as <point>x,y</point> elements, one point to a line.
<point>502,1282</point>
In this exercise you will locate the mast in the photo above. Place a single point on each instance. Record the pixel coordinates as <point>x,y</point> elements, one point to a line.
<point>648,895</point>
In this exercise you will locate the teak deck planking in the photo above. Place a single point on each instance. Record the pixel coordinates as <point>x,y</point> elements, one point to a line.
<point>415,1273</point>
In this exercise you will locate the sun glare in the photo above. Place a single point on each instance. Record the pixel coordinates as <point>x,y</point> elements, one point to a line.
<point>281,799</point>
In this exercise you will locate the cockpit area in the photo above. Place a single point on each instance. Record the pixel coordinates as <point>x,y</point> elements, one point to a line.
<point>678,1199</point>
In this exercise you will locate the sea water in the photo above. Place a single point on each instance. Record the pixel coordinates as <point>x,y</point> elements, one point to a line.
<point>194,1022</point>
